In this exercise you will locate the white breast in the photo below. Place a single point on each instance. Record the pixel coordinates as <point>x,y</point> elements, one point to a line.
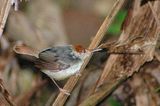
<point>63,74</point>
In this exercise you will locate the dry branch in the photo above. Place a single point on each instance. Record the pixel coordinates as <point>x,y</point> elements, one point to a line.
<point>5,6</point>
<point>60,100</point>
<point>4,11</point>
<point>142,33</point>
<point>6,94</point>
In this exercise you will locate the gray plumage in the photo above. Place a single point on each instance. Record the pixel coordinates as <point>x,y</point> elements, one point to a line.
<point>57,58</point>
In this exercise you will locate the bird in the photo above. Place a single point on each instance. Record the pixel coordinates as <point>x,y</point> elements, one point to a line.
<point>58,62</point>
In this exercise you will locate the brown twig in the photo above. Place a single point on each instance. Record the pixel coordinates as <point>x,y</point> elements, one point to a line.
<point>4,14</point>
<point>157,52</point>
<point>5,93</point>
<point>60,100</point>
<point>154,13</point>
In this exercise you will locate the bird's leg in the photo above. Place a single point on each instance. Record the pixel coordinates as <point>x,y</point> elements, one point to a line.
<point>61,89</point>
<point>78,73</point>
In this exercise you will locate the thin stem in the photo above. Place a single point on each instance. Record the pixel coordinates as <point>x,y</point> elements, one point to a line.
<point>4,15</point>
<point>154,13</point>
<point>61,99</point>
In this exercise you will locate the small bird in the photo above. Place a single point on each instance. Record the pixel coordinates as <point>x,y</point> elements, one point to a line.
<point>59,62</point>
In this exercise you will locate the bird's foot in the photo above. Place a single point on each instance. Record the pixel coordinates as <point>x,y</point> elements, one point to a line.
<point>78,74</point>
<point>64,91</point>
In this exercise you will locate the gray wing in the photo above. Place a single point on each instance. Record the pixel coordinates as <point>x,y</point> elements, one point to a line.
<point>56,58</point>
<point>52,66</point>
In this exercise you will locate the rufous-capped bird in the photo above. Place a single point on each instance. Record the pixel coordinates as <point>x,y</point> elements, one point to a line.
<point>58,62</point>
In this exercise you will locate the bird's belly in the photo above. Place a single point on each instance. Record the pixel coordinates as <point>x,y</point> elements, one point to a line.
<point>63,74</point>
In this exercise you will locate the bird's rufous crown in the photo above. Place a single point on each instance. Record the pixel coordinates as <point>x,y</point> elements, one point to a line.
<point>79,49</point>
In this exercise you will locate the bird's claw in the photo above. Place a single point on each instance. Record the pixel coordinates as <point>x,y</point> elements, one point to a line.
<point>64,91</point>
<point>78,74</point>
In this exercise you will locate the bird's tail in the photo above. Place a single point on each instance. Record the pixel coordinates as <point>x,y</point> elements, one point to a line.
<point>23,49</point>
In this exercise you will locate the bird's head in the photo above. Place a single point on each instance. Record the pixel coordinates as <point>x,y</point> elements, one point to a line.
<point>81,51</point>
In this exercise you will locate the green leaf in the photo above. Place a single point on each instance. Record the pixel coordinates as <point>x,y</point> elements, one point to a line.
<point>113,102</point>
<point>157,89</point>
<point>115,27</point>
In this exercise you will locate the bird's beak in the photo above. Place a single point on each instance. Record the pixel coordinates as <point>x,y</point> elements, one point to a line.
<point>94,50</point>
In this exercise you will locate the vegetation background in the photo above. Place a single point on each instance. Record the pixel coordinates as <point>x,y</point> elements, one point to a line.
<point>45,23</point>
